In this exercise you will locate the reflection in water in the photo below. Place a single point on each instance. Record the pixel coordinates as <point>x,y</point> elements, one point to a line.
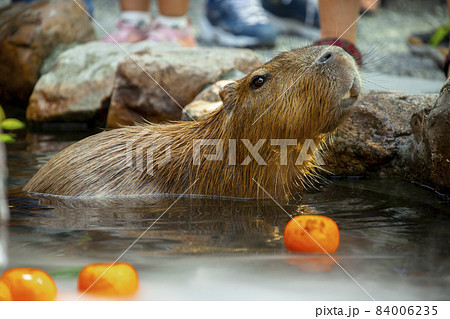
<point>394,236</point>
<point>313,264</point>
<point>197,226</point>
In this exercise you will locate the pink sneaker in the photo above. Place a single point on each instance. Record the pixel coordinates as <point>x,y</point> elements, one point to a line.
<point>125,33</point>
<point>161,33</point>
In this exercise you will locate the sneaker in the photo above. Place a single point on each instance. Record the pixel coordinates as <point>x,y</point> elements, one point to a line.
<point>125,33</point>
<point>298,17</point>
<point>162,33</point>
<point>236,23</point>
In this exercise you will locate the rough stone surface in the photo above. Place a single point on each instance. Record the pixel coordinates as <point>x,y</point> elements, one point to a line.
<point>211,93</point>
<point>198,109</point>
<point>427,157</point>
<point>28,34</point>
<point>370,139</point>
<point>182,72</point>
<point>205,102</point>
<point>79,85</point>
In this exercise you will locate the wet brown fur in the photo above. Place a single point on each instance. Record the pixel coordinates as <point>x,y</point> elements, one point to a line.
<point>301,99</point>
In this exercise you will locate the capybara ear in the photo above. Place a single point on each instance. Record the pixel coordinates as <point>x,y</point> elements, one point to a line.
<point>228,96</point>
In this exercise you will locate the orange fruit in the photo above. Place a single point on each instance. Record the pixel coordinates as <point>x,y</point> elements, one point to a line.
<point>5,294</point>
<point>322,229</point>
<point>119,280</point>
<point>29,284</point>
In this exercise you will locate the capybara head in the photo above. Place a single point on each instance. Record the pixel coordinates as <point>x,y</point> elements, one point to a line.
<point>303,92</point>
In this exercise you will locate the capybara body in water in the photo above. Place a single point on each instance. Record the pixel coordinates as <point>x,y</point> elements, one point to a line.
<point>249,147</point>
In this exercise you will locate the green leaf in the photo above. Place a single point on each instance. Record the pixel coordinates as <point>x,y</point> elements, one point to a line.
<point>7,138</point>
<point>439,35</point>
<point>86,238</point>
<point>65,273</point>
<point>2,114</point>
<point>12,124</point>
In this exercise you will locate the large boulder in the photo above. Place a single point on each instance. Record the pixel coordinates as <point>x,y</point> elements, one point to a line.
<point>370,139</point>
<point>155,85</point>
<point>206,101</point>
<point>426,158</point>
<point>29,32</point>
<point>79,86</point>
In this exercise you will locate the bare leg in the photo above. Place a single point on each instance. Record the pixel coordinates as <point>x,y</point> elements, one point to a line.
<point>372,4</point>
<point>132,22</point>
<point>135,5</point>
<point>172,24</point>
<point>336,16</point>
<point>173,8</point>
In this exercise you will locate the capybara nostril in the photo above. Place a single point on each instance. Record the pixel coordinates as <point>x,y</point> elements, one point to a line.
<point>324,58</point>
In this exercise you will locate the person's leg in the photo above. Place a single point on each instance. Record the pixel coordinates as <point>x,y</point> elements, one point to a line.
<point>173,8</point>
<point>132,23</point>
<point>370,5</point>
<point>135,5</point>
<point>338,25</point>
<point>172,13</point>
<point>135,12</point>
<point>172,24</point>
<point>336,16</point>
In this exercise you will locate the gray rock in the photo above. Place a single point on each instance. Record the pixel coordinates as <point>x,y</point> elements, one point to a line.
<point>371,138</point>
<point>29,32</point>
<point>156,84</point>
<point>80,83</point>
<point>198,109</point>
<point>211,92</point>
<point>79,86</point>
<point>205,102</point>
<point>426,158</point>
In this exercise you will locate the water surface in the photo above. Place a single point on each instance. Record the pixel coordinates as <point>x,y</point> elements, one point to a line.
<point>394,239</point>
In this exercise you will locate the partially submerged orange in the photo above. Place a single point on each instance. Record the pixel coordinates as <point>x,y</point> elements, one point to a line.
<point>118,279</point>
<point>29,284</point>
<point>5,294</point>
<point>311,234</point>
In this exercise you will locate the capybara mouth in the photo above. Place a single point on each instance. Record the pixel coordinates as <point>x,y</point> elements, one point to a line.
<point>351,96</point>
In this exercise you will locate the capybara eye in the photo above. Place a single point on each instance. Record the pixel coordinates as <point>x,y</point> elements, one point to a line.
<point>258,81</point>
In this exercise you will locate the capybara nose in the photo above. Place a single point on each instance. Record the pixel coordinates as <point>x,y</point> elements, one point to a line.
<point>325,57</point>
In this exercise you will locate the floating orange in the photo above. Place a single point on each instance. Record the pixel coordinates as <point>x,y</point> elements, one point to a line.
<point>119,280</point>
<point>322,229</point>
<point>29,284</point>
<point>5,294</point>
